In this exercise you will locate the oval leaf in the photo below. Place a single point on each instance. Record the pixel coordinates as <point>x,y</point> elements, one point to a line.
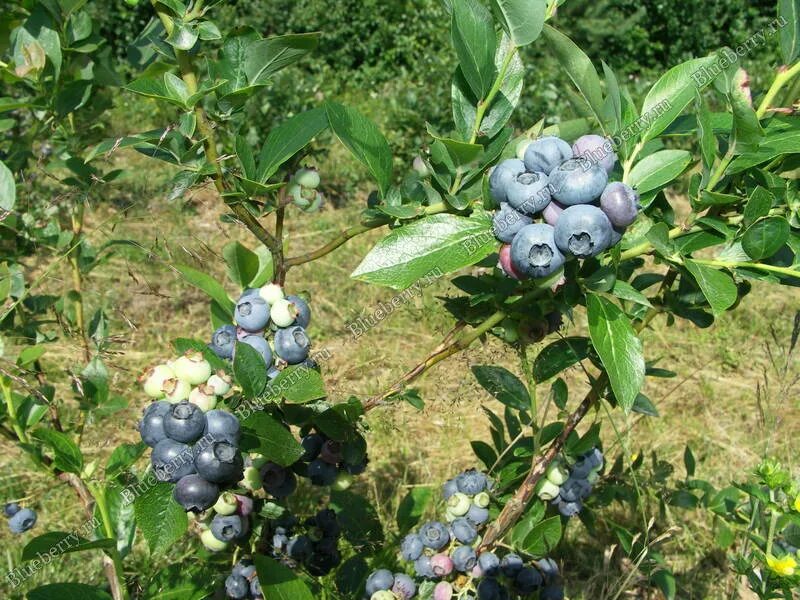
<point>717,286</point>
<point>659,169</point>
<point>560,355</point>
<point>56,543</point>
<point>522,19</point>
<point>473,36</point>
<point>503,385</point>
<point>279,582</point>
<point>765,237</point>
<point>162,520</point>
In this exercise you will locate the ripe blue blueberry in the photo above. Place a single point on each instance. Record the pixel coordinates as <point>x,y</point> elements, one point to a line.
<point>534,251</point>
<point>575,490</point>
<point>423,567</point>
<point>583,230</point>
<point>322,473</point>
<point>172,460</point>
<point>552,592</point>
<point>379,580</point>
<point>219,462</point>
<point>489,564</point>
<point>463,530</point>
<point>596,149</point>
<point>577,181</point>
<point>195,494</point>
<point>255,588</point>
<point>434,535</point>
<point>223,340</point>
<point>548,567</point>
<point>511,565</point>
<point>449,488</point>
<point>300,548</point>
<point>222,426</point>
<point>411,548</point>
<point>331,452</point>
<point>477,515</point>
<point>595,458</point>
<point>569,509</point>
<point>489,589</point>
<point>151,427</point>
<point>464,558</point>
<point>546,153</point>
<point>237,587</point>
<point>403,586</point>
<point>529,193</point>
<point>228,528</point>
<point>328,522</point>
<point>528,580</point>
<point>312,444</point>
<point>285,488</point>
<point>261,346</point>
<point>292,344</point>
<point>303,317</point>
<point>471,482</point>
<point>184,422</point>
<point>22,521</point>
<point>10,509</point>
<point>502,175</point>
<point>620,202</point>
<point>507,222</point>
<point>356,468</point>
<point>252,313</point>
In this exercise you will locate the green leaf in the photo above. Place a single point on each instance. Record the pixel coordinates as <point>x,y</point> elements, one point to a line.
<point>619,348</point>
<point>543,538</point>
<point>758,205</point>
<point>522,19</point>
<point>243,264</point>
<point>437,244</point>
<point>265,435</point>
<point>359,519</point>
<point>72,96</point>
<point>183,36</point>
<point>765,237</point>
<point>462,153</point>
<point>532,517</point>
<point>772,146</point>
<point>688,461</point>
<point>287,139</point>
<point>56,543</point>
<point>560,355</point>
<point>297,384</point>
<point>162,520</point>
<point>266,57</point>
<point>279,582</point>
<point>207,284</point>
<point>472,31</point>
<point>266,267</point>
<point>790,33</point>
<point>123,457</point>
<point>250,370</point>
<point>705,131</point>
<point>658,170</point>
<point>8,188</point>
<point>412,508</point>
<point>503,385</point>
<point>625,291</point>
<point>176,582</point>
<point>362,137</point>
<point>157,88</point>
<point>579,68</point>
<point>665,581</point>
<point>73,591</point>
<point>66,454</point>
<point>671,94</point>
<point>717,286</point>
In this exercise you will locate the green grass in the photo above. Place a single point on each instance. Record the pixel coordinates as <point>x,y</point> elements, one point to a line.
<point>728,402</point>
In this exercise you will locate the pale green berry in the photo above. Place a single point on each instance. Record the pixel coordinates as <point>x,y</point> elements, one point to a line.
<point>271,293</point>
<point>522,146</point>
<point>226,504</point>
<point>318,201</point>
<point>383,595</point>
<point>175,390</point>
<point>204,397</point>
<point>593,476</point>
<point>193,368</point>
<point>283,313</point>
<point>220,382</point>
<point>546,491</point>
<point>449,517</point>
<point>251,479</point>
<point>258,460</point>
<point>212,543</point>
<point>343,481</point>
<point>307,178</point>
<point>153,380</point>
<point>458,504</point>
<point>557,474</point>
<point>482,500</point>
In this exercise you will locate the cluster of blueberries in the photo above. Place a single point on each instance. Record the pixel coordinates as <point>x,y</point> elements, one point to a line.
<point>243,582</point>
<point>567,489</point>
<point>230,523</point>
<point>328,462</point>
<point>447,553</point>
<point>568,186</point>
<point>265,311</point>
<point>303,190</point>
<point>20,519</point>
<point>194,444</point>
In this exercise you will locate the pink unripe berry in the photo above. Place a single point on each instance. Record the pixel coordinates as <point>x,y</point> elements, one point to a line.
<point>443,591</point>
<point>442,565</point>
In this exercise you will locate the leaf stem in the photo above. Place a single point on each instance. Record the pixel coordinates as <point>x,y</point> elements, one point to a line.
<point>781,79</point>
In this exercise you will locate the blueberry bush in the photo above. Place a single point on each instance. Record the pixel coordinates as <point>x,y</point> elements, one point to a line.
<point>537,227</point>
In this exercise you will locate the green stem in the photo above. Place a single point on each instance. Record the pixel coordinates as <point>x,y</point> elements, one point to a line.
<point>786,271</point>
<point>646,247</point>
<point>628,166</point>
<point>99,494</point>
<point>781,79</point>
<point>5,386</point>
<point>719,172</point>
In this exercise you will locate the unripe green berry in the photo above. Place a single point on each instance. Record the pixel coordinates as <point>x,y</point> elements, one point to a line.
<point>271,293</point>
<point>175,390</point>
<point>220,382</point>
<point>593,477</point>
<point>226,504</point>
<point>192,367</point>
<point>307,178</point>
<point>153,380</point>
<point>383,595</point>
<point>458,504</point>
<point>546,490</point>
<point>557,474</point>
<point>420,167</point>
<point>283,313</point>
<point>343,481</point>
<point>258,460</point>
<point>212,543</point>
<point>204,397</point>
<point>251,479</point>
<point>482,500</point>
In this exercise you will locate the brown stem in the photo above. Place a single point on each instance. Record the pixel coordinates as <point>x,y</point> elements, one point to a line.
<point>339,240</point>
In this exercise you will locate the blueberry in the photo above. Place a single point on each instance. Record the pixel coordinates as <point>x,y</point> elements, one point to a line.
<point>443,591</point>
<point>379,580</point>
<point>534,251</point>
<point>244,505</point>
<point>328,522</point>
<point>458,504</point>
<point>507,266</point>
<point>312,444</point>
<point>252,313</point>
<point>477,515</point>
<point>449,488</point>
<point>403,587</point>
<point>577,181</point>
<point>548,567</point>
<point>23,520</point>
<point>620,202</point>
<point>10,509</point>
<point>463,531</point>
<point>255,588</point>
<point>300,548</point>
<point>285,488</point>
<point>237,587</point>
<point>194,493</point>
<point>616,236</point>
<point>219,462</point>
<point>223,341</point>
<point>528,580</point>
<point>357,468</point>
<point>222,426</point>
<point>303,317</point>
<point>489,589</point>
<point>172,460</point>
<point>184,422</point>
<point>551,592</point>
<point>552,212</point>
<point>583,231</point>
<point>464,558</point>
<point>434,535</point>
<point>529,193</point>
<point>546,153</point>
<point>261,346</point>
<point>502,175</point>
<point>569,509</point>
<point>244,568</point>
<point>575,489</point>
<point>489,564</point>
<point>151,427</point>
<point>511,565</point>
<point>423,568</point>
<point>595,459</point>
<point>331,452</point>
<point>411,548</point>
<point>507,222</point>
<point>441,564</point>
<point>227,528</point>
<point>471,482</point>
<point>596,149</point>
<point>321,472</point>
<point>292,344</point>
